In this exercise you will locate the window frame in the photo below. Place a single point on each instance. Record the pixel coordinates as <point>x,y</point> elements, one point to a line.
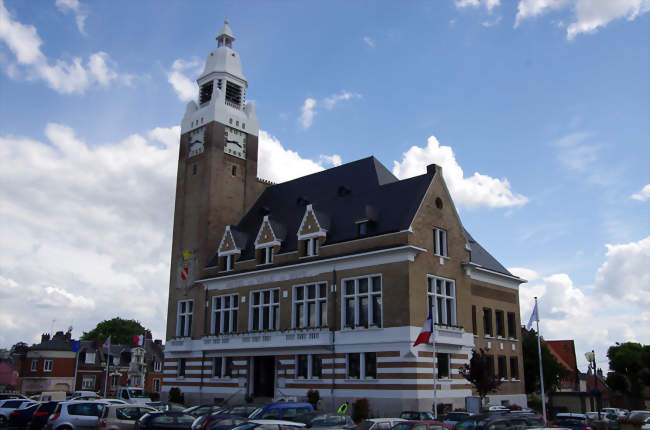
<point>224,365</point>
<point>512,328</point>
<point>447,373</point>
<point>363,365</point>
<point>502,367</point>
<point>88,355</point>
<point>514,368</point>
<point>266,256</point>
<point>114,380</point>
<point>48,365</point>
<point>34,365</point>
<point>184,318</point>
<point>434,299</point>
<point>155,385</point>
<point>88,382</point>
<point>499,317</point>
<point>370,294</point>
<point>311,359</point>
<point>181,365</point>
<point>488,328</point>
<point>157,366</point>
<point>232,312</point>
<point>440,242</point>
<point>317,301</point>
<point>274,310</point>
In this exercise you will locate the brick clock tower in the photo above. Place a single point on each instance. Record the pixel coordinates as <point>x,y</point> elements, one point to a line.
<point>216,180</point>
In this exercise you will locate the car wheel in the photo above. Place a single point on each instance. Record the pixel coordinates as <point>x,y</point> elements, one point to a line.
<point>63,428</point>
<point>3,421</point>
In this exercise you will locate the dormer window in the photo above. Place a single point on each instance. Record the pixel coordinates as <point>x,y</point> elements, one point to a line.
<point>311,246</point>
<point>439,242</point>
<point>228,262</point>
<point>362,228</point>
<point>265,255</point>
<point>206,92</point>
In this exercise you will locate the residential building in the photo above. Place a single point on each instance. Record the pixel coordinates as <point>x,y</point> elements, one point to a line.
<point>49,365</point>
<point>325,281</point>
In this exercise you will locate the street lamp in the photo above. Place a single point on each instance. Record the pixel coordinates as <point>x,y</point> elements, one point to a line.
<point>591,358</point>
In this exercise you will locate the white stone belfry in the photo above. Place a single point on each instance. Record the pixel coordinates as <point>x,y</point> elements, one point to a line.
<point>222,91</point>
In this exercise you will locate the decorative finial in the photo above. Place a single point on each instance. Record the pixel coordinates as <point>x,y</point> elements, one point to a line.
<point>225,21</point>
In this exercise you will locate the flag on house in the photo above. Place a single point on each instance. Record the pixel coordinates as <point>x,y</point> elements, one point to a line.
<point>76,345</point>
<point>534,317</point>
<point>107,342</point>
<point>138,340</point>
<point>185,272</point>
<point>426,331</point>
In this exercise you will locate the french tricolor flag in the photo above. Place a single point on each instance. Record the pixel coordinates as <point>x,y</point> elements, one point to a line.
<point>138,340</point>
<point>426,331</point>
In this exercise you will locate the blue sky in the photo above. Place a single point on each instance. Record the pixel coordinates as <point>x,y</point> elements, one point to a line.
<point>549,105</point>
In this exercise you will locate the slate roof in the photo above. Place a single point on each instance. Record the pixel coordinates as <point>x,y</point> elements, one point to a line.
<point>344,194</point>
<point>58,342</point>
<point>362,189</point>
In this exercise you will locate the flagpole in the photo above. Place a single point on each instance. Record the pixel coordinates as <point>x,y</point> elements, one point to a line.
<point>435,377</point>
<point>108,360</point>
<point>76,366</point>
<point>541,370</point>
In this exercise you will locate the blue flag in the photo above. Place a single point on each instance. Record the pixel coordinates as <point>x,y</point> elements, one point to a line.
<point>76,345</point>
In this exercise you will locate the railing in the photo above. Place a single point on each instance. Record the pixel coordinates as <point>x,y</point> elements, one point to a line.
<point>233,105</point>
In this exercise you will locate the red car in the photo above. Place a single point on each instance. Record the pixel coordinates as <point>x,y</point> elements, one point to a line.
<point>421,425</point>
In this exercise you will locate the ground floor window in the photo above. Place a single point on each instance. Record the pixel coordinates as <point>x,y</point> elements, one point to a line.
<point>503,368</point>
<point>443,365</point>
<point>115,380</point>
<point>180,370</point>
<point>156,385</point>
<point>222,367</point>
<point>309,366</point>
<point>361,365</point>
<point>88,382</point>
<point>514,368</point>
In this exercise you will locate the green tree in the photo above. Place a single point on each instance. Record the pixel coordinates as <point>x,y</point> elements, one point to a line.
<point>629,363</point>
<point>120,330</point>
<point>480,372</point>
<point>553,370</point>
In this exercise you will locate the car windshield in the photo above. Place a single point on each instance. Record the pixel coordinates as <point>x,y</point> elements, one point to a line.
<point>455,416</point>
<point>136,394</point>
<point>365,425</point>
<point>402,426</point>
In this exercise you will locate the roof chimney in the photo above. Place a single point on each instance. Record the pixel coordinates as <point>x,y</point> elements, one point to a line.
<point>431,169</point>
<point>158,342</point>
<point>45,337</point>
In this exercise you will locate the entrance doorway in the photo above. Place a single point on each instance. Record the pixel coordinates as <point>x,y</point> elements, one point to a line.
<point>264,376</point>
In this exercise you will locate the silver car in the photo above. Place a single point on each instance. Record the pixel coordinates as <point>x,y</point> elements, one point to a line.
<point>75,415</point>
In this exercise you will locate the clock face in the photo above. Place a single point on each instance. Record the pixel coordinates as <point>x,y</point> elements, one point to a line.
<point>234,142</point>
<point>197,142</point>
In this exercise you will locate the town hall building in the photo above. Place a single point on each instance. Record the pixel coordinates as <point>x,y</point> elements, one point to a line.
<point>322,282</point>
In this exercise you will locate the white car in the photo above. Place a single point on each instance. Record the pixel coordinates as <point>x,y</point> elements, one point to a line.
<point>379,423</point>
<point>646,424</point>
<point>9,405</point>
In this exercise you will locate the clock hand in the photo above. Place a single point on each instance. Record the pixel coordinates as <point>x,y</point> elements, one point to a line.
<point>235,142</point>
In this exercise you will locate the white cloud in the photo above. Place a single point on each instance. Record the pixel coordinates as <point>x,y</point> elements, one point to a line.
<point>278,164</point>
<point>66,194</point>
<point>491,23</point>
<point>473,191</point>
<point>371,43</point>
<point>642,195</point>
<point>65,77</point>
<point>79,10</point>
<point>488,4</point>
<point>589,15</point>
<point>575,153</point>
<point>308,112</point>
<point>186,89</point>
<point>528,274</point>
<point>331,101</point>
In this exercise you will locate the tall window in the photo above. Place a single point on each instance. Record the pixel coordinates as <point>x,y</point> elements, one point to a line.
<point>184,318</point>
<point>442,300</point>
<point>490,364</point>
<point>156,385</point>
<point>224,314</point>
<point>512,326</point>
<point>514,368</point>
<point>440,242</point>
<point>310,305</point>
<point>157,366</point>
<point>265,310</point>
<point>265,255</point>
<point>362,365</point>
<point>309,366</point>
<point>90,358</point>
<point>501,329</point>
<point>228,262</point>
<point>362,301</point>
<point>48,365</point>
<point>443,365</point>
<point>180,370</point>
<point>34,367</point>
<point>503,367</point>
<point>222,367</point>
<point>115,380</point>
<point>88,382</point>
<point>474,328</point>
<point>487,321</point>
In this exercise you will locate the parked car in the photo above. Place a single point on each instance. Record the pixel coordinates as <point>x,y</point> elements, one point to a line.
<point>638,417</point>
<point>325,421</point>
<point>379,423</point>
<point>201,410</point>
<point>20,417</point>
<point>607,417</point>
<point>620,413</point>
<point>41,414</point>
<point>5,396</point>
<point>416,416</point>
<point>166,406</point>
<point>646,425</point>
<point>500,421</point>
<point>240,410</point>
<point>422,425</point>
<point>287,411</point>
<point>217,421</point>
<point>453,417</point>
<point>571,421</point>
<point>165,420</point>
<point>122,417</point>
<point>75,415</point>
<point>270,425</point>
<point>115,401</point>
<point>9,405</point>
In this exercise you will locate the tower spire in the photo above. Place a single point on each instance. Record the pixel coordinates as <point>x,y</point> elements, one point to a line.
<point>225,37</point>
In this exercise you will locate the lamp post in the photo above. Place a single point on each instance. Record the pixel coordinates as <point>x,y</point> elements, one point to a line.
<point>591,358</point>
